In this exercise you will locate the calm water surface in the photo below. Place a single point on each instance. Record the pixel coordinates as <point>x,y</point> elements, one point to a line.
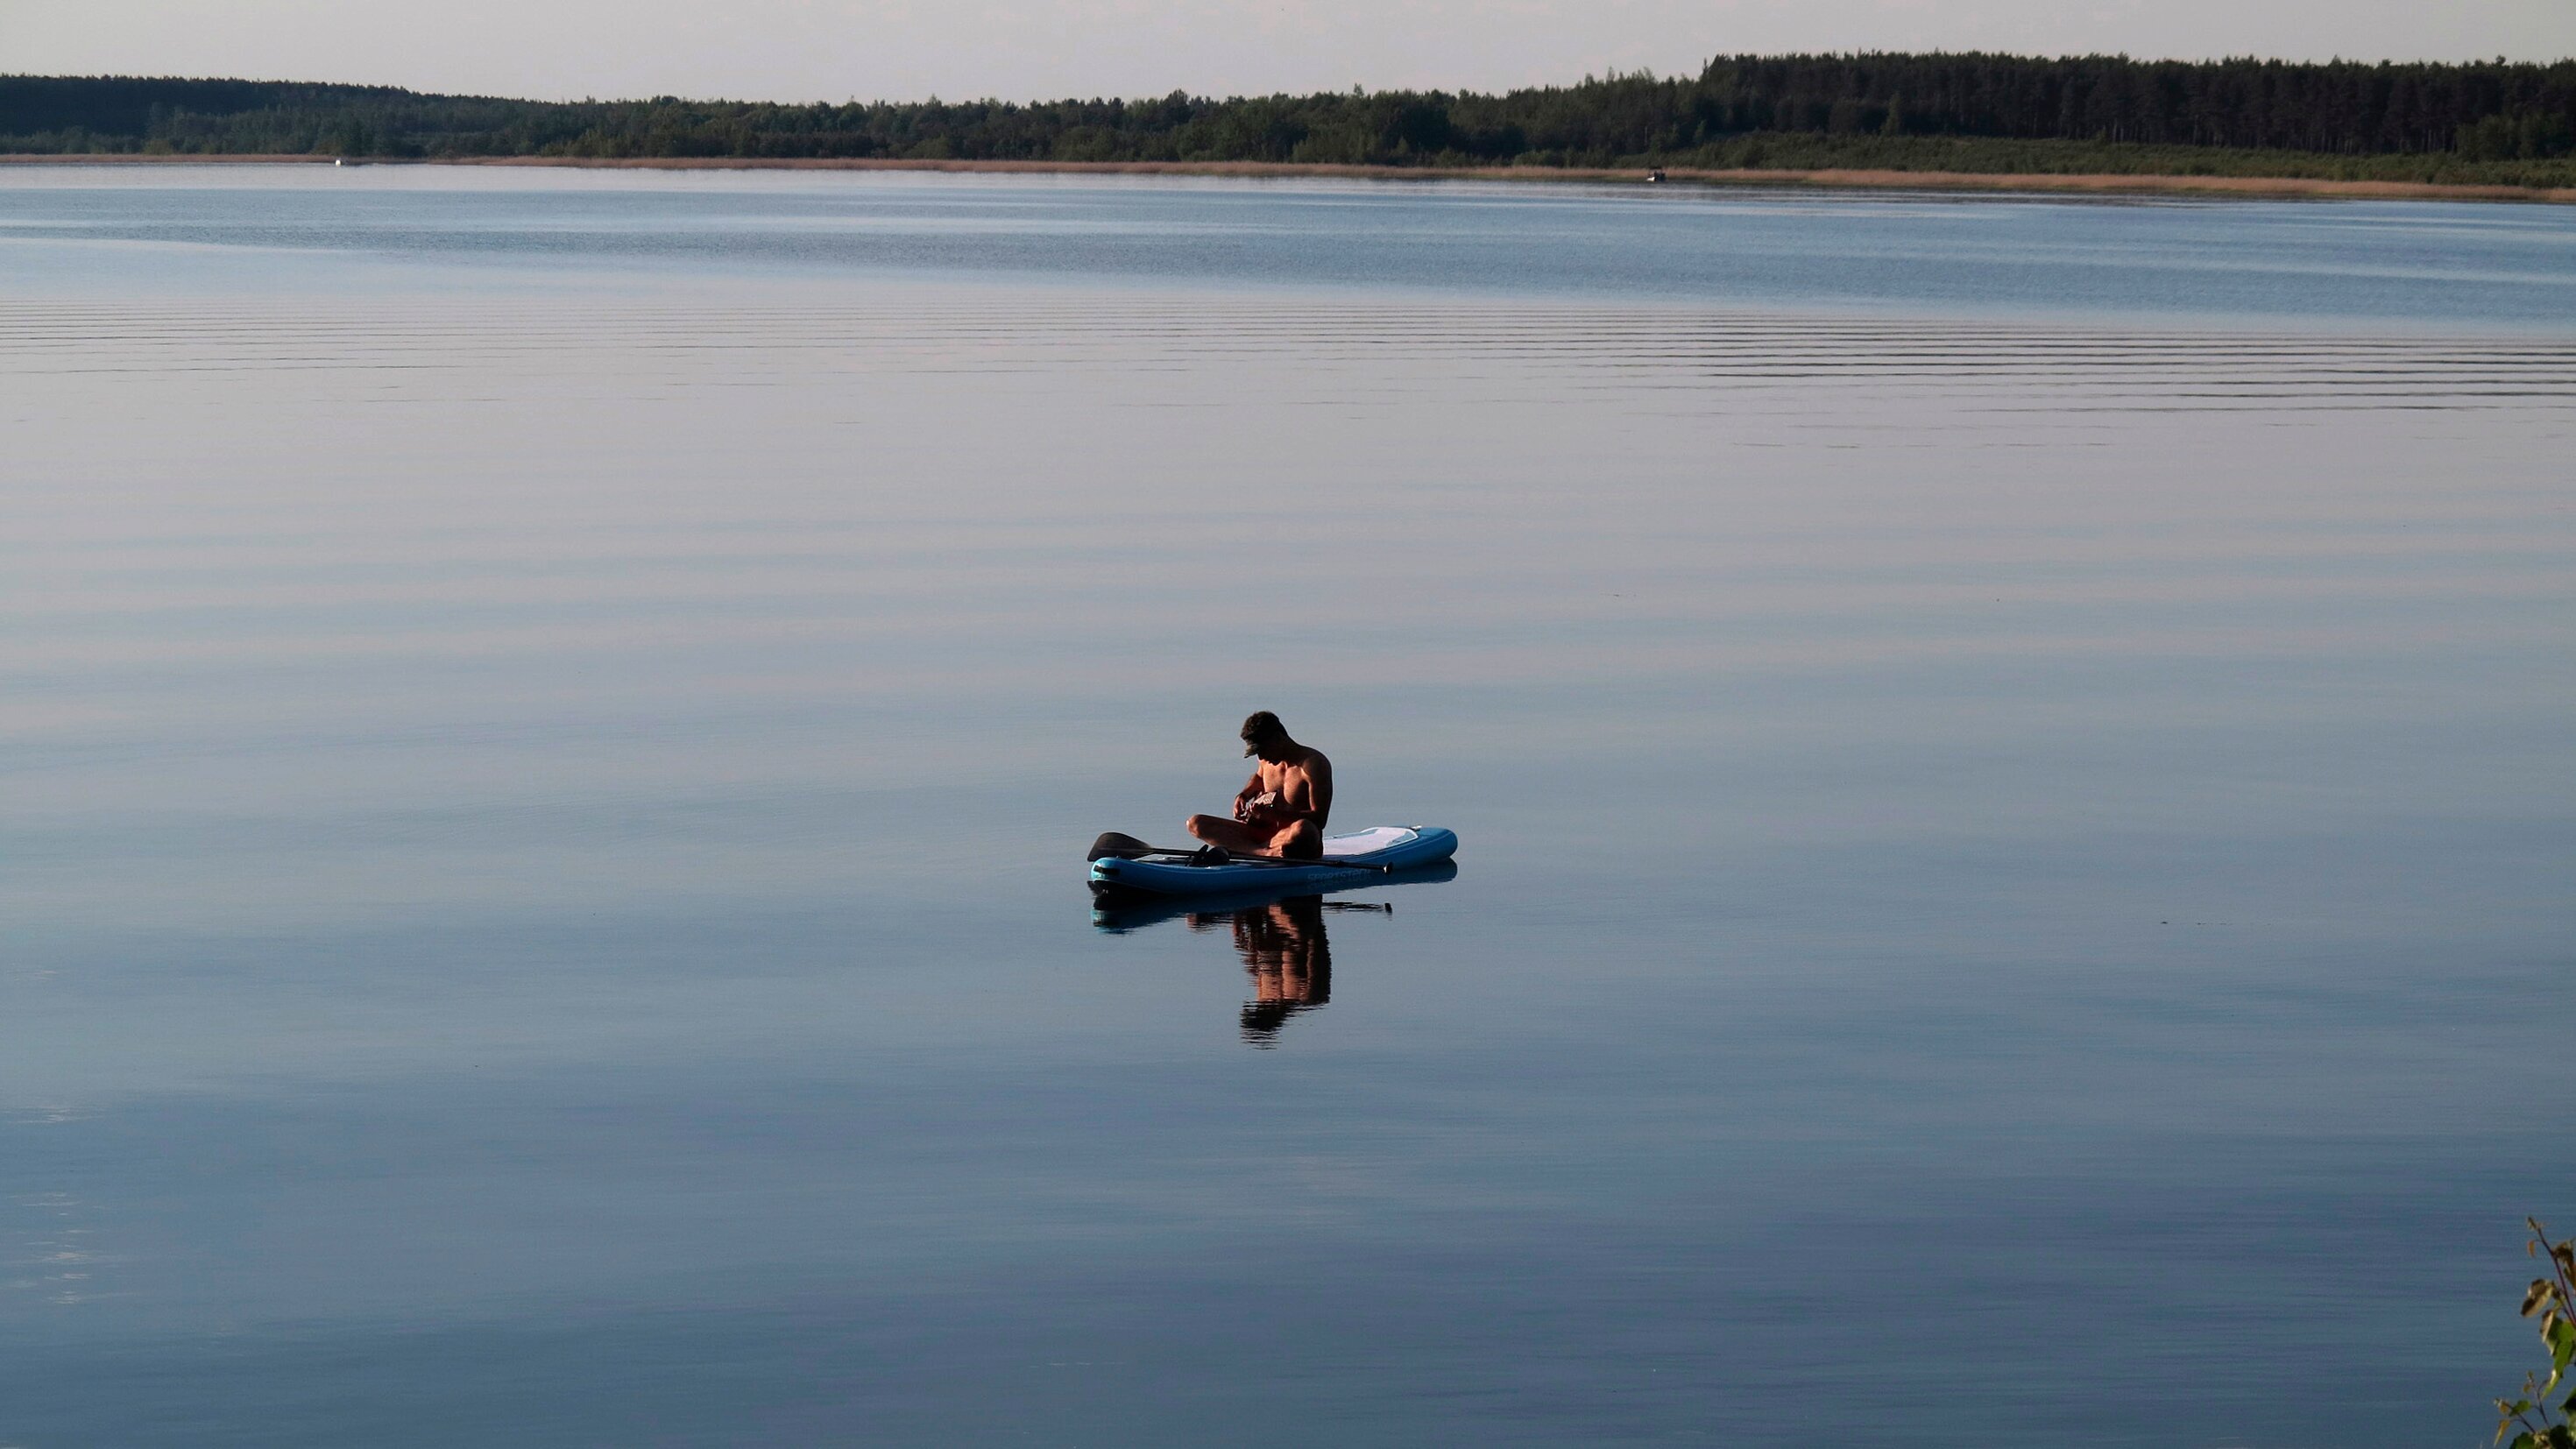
<point>2013,756</point>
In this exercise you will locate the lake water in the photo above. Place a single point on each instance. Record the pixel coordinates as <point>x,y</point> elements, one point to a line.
<point>2014,760</point>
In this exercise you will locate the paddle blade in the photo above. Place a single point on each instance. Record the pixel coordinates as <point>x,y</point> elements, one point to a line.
<point>1119,847</point>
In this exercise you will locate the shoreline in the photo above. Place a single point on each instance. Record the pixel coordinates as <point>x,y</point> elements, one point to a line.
<point>2082,183</point>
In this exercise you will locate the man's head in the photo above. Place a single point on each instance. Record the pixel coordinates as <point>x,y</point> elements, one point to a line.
<point>1263,735</point>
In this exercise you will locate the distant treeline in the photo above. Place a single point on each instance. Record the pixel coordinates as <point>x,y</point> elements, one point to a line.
<point>1973,111</point>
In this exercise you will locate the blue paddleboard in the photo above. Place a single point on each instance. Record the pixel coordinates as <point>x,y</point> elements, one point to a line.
<point>1354,859</point>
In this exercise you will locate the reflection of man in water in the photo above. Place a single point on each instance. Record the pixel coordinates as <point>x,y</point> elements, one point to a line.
<point>1290,961</point>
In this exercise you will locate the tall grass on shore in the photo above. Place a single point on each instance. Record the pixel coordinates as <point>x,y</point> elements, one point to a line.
<point>2531,1421</point>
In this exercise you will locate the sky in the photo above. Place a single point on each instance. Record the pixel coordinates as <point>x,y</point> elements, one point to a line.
<point>804,50</point>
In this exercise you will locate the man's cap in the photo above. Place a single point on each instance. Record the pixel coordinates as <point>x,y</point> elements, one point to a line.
<point>1260,725</point>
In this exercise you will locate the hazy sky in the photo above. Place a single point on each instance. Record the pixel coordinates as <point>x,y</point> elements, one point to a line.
<point>906,49</point>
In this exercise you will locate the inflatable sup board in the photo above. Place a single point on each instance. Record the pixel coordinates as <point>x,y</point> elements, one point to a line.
<point>1119,912</point>
<point>1124,866</point>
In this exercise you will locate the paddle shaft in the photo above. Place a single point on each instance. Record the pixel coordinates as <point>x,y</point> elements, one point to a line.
<point>1269,860</point>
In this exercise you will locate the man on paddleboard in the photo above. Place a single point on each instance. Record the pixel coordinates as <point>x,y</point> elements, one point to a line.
<point>1280,811</point>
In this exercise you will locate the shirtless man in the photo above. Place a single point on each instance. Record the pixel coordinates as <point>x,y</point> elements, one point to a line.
<point>1281,810</point>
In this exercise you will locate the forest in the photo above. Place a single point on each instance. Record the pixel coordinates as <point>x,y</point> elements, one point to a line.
<point>2488,120</point>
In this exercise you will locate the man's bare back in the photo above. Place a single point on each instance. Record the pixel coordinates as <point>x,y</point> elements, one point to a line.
<point>1281,810</point>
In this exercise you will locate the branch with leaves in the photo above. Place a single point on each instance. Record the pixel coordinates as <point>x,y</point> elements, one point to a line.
<point>2530,1419</point>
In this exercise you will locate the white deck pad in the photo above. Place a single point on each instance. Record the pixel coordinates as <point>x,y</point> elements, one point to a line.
<point>1366,842</point>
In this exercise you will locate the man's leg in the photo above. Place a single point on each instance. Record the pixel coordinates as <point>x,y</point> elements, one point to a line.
<point>1301,841</point>
<point>1231,835</point>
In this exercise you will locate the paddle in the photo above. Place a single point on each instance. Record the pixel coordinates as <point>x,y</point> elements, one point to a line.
<point>1113,845</point>
<point>1232,859</point>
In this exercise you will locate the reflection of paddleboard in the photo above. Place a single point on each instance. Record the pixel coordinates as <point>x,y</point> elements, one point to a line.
<point>1119,912</point>
<point>1361,858</point>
